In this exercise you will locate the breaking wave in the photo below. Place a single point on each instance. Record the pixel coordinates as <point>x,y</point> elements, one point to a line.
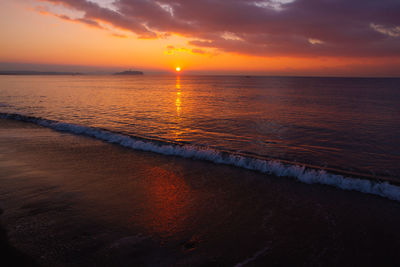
<point>279,168</point>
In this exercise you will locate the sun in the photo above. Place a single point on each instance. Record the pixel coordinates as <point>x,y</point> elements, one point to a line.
<point>178,69</point>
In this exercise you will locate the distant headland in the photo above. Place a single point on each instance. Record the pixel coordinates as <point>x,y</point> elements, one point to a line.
<point>129,72</point>
<point>29,72</point>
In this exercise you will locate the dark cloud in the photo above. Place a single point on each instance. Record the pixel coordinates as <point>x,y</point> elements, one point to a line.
<point>89,22</point>
<point>261,27</point>
<point>86,21</point>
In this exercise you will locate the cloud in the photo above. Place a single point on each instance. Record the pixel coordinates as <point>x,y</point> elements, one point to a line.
<point>119,35</point>
<point>393,31</point>
<point>92,23</point>
<point>315,41</point>
<point>198,51</point>
<point>304,28</point>
<point>86,21</point>
<point>172,50</point>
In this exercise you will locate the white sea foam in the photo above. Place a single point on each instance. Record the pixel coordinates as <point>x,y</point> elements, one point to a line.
<point>254,257</point>
<point>274,167</point>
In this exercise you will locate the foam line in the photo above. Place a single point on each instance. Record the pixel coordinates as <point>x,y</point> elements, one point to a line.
<point>253,258</point>
<point>274,167</point>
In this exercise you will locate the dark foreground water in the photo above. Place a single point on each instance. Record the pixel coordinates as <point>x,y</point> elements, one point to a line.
<point>347,124</point>
<point>76,201</point>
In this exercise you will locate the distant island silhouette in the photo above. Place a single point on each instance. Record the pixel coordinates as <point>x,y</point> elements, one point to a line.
<point>129,72</point>
<point>29,72</point>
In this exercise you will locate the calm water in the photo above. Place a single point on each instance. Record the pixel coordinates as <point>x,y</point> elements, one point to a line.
<point>346,123</point>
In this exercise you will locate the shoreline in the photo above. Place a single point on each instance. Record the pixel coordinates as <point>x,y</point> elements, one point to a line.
<point>387,187</point>
<point>74,200</point>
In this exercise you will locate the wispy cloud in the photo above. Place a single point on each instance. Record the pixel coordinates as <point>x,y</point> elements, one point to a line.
<point>119,35</point>
<point>390,31</point>
<point>172,50</point>
<point>314,41</point>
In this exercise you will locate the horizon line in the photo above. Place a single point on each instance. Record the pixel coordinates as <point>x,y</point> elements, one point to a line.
<point>171,73</point>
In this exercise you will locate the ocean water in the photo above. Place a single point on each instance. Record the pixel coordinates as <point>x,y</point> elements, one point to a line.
<point>280,125</point>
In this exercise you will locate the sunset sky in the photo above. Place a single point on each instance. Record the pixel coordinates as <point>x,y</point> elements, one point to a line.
<point>271,37</point>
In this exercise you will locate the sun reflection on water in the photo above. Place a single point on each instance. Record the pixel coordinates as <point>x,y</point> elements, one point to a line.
<point>169,199</point>
<point>178,101</point>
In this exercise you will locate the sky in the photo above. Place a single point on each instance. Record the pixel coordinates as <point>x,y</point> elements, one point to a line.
<point>260,37</point>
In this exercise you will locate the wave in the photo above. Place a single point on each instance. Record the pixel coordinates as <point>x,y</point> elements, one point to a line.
<point>253,258</point>
<point>303,173</point>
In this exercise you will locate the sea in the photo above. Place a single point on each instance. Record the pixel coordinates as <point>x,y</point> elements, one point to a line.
<point>343,132</point>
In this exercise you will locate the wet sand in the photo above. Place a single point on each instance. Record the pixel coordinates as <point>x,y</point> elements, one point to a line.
<point>74,201</point>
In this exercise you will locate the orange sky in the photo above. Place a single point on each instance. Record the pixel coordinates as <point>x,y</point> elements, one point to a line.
<point>31,34</point>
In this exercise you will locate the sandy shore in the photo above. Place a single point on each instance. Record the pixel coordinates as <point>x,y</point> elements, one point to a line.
<point>70,200</point>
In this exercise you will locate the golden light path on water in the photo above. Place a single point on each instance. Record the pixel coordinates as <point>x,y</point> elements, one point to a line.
<point>178,102</point>
<point>178,130</point>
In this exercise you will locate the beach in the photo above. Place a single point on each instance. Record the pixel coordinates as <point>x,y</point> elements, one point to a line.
<point>70,200</point>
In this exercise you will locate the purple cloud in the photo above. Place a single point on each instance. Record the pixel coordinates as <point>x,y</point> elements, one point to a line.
<point>260,27</point>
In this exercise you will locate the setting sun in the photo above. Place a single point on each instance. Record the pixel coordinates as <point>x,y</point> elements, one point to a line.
<point>178,69</point>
